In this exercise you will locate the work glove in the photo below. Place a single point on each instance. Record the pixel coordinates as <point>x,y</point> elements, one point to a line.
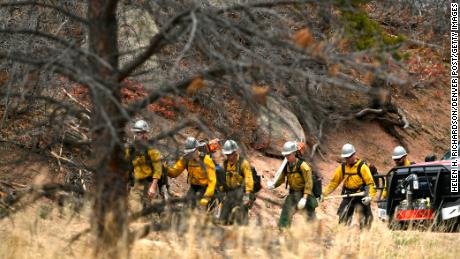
<point>270,185</point>
<point>301,204</point>
<point>204,202</point>
<point>366,200</point>
<point>246,200</point>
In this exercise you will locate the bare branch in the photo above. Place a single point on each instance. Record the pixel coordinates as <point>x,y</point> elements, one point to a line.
<point>75,100</point>
<point>403,118</point>
<point>155,44</point>
<point>181,86</point>
<point>54,7</point>
<point>40,34</point>
<point>366,111</point>
<point>264,4</point>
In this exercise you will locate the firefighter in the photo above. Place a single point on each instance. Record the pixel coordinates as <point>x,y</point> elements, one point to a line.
<point>298,176</point>
<point>201,173</point>
<point>356,177</point>
<point>238,185</point>
<point>145,167</point>
<point>400,158</point>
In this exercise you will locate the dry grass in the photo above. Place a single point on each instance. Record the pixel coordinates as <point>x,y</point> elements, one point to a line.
<point>44,232</point>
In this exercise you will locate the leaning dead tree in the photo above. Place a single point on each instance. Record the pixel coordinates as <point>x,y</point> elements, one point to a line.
<point>68,72</point>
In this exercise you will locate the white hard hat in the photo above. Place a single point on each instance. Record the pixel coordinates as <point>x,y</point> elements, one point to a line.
<point>399,152</point>
<point>230,146</point>
<point>289,147</point>
<point>140,126</point>
<point>191,145</point>
<point>348,150</point>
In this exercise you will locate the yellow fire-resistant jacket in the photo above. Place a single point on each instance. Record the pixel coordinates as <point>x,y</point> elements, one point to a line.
<point>351,179</point>
<point>141,169</point>
<point>195,173</point>
<point>298,179</point>
<point>234,179</point>
<point>385,191</point>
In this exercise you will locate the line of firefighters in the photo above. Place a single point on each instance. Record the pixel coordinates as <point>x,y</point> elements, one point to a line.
<point>238,187</point>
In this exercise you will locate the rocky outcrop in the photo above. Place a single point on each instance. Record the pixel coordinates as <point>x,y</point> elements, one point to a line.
<point>277,124</point>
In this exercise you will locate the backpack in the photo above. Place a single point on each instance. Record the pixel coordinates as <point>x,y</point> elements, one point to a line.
<point>255,177</point>
<point>317,189</point>
<point>372,168</point>
<point>374,172</point>
<point>163,181</point>
<point>220,177</point>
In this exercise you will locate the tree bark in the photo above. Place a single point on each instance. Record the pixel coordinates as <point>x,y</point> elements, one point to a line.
<point>110,204</point>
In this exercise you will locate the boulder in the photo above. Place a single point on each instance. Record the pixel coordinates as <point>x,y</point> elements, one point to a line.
<point>276,125</point>
<point>135,32</point>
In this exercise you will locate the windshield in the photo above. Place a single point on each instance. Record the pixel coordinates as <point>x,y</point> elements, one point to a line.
<point>447,156</point>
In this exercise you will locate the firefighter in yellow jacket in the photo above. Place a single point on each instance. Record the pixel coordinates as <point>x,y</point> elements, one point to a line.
<point>356,177</point>
<point>201,173</point>
<point>144,163</point>
<point>238,184</point>
<point>299,178</point>
<point>400,158</point>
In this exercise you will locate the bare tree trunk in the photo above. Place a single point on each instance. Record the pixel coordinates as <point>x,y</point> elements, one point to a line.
<point>110,205</point>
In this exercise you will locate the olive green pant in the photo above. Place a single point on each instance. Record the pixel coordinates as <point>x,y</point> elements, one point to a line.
<point>290,208</point>
<point>194,194</point>
<point>231,200</point>
<point>347,208</point>
<point>144,196</point>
